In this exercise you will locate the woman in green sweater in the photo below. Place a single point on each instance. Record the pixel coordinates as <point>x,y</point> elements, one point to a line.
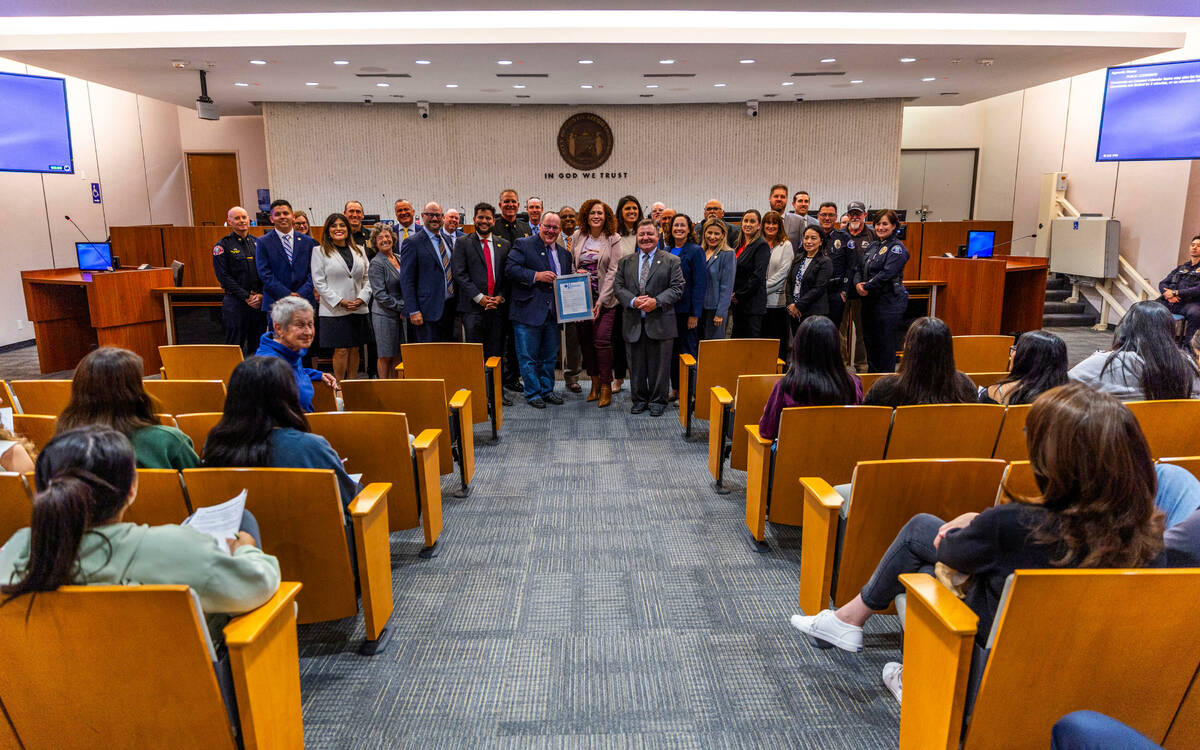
<point>107,390</point>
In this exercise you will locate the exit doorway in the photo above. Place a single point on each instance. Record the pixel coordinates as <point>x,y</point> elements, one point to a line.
<point>214,187</point>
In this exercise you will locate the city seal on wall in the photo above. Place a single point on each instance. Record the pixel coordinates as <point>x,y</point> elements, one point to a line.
<point>585,141</point>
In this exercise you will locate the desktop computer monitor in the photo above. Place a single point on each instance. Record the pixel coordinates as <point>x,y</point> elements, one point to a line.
<point>94,256</point>
<point>980,244</point>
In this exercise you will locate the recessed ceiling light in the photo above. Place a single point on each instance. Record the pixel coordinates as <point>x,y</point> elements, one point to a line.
<point>857,80</point>
<point>451,85</point>
<point>586,62</point>
<point>518,85</point>
<point>504,62</point>
<point>930,78</point>
<point>383,85</point>
<point>421,62</point>
<point>651,85</point>
<point>908,59</point>
<point>585,85</point>
<point>239,83</point>
<point>828,59</point>
<point>522,96</point>
<point>666,62</point>
<point>312,83</point>
<point>258,62</point>
<point>788,83</point>
<point>746,62</point>
<point>341,62</point>
<point>719,85</point>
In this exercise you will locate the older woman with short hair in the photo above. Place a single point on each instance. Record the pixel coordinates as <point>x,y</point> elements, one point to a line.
<point>387,299</point>
<point>289,338</point>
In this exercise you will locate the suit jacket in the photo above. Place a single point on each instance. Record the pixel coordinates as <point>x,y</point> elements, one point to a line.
<point>814,297</point>
<point>606,265</point>
<point>470,269</point>
<point>695,279</point>
<point>387,295</point>
<point>422,277</point>
<point>665,284</point>
<point>280,278</point>
<point>532,302</point>
<point>793,226</point>
<point>334,283</point>
<point>750,278</point>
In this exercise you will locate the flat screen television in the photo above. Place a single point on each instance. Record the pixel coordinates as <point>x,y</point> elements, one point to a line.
<point>94,256</point>
<point>1150,112</point>
<point>35,126</point>
<point>980,244</point>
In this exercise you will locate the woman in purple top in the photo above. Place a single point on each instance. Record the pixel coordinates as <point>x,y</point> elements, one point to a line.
<point>816,375</point>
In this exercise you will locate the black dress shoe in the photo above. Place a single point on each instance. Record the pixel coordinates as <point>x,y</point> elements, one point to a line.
<point>514,385</point>
<point>536,403</point>
<point>656,410</point>
<point>505,399</point>
<point>553,398</point>
<point>638,408</point>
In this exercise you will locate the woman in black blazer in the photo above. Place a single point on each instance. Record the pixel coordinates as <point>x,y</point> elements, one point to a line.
<point>805,291</point>
<point>750,279</point>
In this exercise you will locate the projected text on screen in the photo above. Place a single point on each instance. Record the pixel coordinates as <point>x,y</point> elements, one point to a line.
<point>1150,112</point>
<point>35,134</point>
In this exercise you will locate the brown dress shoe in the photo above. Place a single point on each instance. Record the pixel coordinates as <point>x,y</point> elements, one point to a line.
<point>595,392</point>
<point>605,396</point>
<point>574,388</point>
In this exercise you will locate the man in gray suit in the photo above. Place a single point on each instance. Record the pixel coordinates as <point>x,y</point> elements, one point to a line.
<point>793,224</point>
<point>648,284</point>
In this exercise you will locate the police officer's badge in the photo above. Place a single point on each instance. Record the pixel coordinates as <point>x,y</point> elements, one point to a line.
<point>837,245</point>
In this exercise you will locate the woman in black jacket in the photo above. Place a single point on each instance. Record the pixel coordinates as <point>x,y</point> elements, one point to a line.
<point>750,279</point>
<point>805,293</point>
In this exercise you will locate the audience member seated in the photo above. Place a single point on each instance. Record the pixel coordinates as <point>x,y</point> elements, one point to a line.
<point>1144,362</point>
<point>16,453</point>
<point>85,481</point>
<point>1182,542</point>
<point>1090,730</point>
<point>926,374</point>
<point>1037,364</point>
<point>1096,510</point>
<point>107,390</point>
<point>263,425</point>
<point>291,335</point>
<point>816,375</point>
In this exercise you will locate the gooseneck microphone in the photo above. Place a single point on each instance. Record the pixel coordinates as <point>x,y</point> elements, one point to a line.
<point>81,234</point>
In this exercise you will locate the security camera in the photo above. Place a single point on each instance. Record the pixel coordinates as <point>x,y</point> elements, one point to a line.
<point>423,110</point>
<point>368,101</point>
<point>752,108</point>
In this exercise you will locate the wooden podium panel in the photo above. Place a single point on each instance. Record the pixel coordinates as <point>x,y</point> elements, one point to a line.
<point>990,295</point>
<point>73,312</point>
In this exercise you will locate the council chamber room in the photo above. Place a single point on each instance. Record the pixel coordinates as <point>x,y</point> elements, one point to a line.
<point>469,375</point>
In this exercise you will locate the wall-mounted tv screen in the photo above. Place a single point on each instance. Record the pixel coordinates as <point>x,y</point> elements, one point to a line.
<point>1150,112</point>
<point>35,132</point>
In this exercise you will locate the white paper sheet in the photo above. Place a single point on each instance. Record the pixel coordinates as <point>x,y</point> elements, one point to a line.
<point>6,418</point>
<point>356,478</point>
<point>5,446</point>
<point>575,298</point>
<point>221,522</point>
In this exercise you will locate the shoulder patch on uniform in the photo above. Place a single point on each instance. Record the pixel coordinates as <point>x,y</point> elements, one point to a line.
<point>897,249</point>
<point>217,249</point>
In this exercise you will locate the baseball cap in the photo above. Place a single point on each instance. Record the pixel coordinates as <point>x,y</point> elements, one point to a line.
<point>856,206</point>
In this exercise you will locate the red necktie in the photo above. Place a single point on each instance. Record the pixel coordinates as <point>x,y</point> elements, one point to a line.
<point>487,258</point>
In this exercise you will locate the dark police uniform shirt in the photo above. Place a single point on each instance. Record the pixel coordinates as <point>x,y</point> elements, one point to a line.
<point>882,270</point>
<point>1186,280</point>
<point>848,250</point>
<point>233,263</point>
<point>360,238</point>
<point>511,230</point>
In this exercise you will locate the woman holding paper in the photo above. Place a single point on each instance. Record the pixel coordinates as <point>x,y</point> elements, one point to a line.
<point>15,452</point>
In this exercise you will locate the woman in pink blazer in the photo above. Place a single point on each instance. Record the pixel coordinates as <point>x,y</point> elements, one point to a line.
<point>596,250</point>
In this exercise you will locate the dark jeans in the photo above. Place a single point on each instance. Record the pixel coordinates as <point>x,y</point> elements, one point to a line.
<point>687,342</point>
<point>537,350</point>
<point>1089,730</point>
<point>595,344</point>
<point>911,552</point>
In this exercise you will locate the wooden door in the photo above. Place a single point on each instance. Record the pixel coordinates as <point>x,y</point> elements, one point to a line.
<point>213,181</point>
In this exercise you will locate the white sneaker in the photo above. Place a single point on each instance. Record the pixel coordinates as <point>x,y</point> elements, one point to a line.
<point>893,673</point>
<point>825,630</point>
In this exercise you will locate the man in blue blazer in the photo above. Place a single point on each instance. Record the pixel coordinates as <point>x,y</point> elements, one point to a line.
<point>427,279</point>
<point>531,267</point>
<point>282,257</point>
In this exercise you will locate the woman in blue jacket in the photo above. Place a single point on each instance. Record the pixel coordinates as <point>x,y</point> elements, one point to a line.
<point>291,335</point>
<point>695,283</point>
<point>719,264</point>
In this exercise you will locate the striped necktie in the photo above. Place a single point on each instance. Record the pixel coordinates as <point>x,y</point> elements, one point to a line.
<point>286,239</point>
<point>445,257</point>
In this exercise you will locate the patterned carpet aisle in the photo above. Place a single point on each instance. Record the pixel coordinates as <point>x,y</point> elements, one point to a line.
<point>595,592</point>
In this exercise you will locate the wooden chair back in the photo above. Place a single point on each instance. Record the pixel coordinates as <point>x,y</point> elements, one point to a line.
<point>186,396</point>
<point>748,402</point>
<point>324,398</point>
<point>982,353</point>
<point>1011,444</point>
<point>1019,480</point>
<point>984,379</point>
<point>199,361</point>
<point>422,401</point>
<point>1191,463</point>
<point>1169,425</point>
<point>719,362</point>
<point>38,429</point>
<point>459,365</point>
<point>301,519</point>
<point>197,427</point>
<point>885,494</point>
<point>870,378</point>
<point>160,499</point>
<point>45,397</point>
<point>6,396</point>
<point>16,504</point>
<point>945,431</point>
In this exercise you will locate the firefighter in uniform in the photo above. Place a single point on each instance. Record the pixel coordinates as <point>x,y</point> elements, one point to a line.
<point>1181,290</point>
<point>233,263</point>
<point>880,284</point>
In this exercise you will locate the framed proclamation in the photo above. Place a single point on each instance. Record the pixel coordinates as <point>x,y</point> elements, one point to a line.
<point>573,297</point>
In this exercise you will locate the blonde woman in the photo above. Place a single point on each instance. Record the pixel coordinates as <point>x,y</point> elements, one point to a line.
<point>339,273</point>
<point>720,261</point>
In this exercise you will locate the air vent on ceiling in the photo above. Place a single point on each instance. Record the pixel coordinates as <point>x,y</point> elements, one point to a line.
<point>948,93</point>
<point>382,75</point>
<point>522,75</point>
<point>816,73</point>
<point>668,75</point>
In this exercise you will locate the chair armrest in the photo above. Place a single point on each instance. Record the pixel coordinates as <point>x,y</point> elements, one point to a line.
<point>687,376</point>
<point>368,515</point>
<point>460,399</point>
<point>687,361</point>
<point>780,366</point>
<point>491,369</point>
<point>818,543</point>
<point>429,483</point>
<point>491,363</point>
<point>162,373</point>
<point>400,370</point>
<point>265,663</point>
<point>370,500</point>
<point>939,637</point>
<point>428,439</point>
<point>718,399</point>
<point>758,482</point>
<point>460,403</point>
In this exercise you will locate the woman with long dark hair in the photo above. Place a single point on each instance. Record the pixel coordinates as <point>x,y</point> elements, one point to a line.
<point>1039,363</point>
<point>775,322</point>
<point>749,304</point>
<point>107,390</point>
<point>263,425</point>
<point>596,250</point>
<point>806,291</point>
<point>1094,509</point>
<point>816,374</point>
<point>678,242</point>
<point>927,374</point>
<point>1144,362</point>
<point>339,273</point>
<point>629,214</point>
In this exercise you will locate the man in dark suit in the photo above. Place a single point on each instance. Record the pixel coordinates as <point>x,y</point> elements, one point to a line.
<point>282,258</point>
<point>531,267</point>
<point>427,279</point>
<point>478,267</point>
<point>648,284</point>
<point>714,210</point>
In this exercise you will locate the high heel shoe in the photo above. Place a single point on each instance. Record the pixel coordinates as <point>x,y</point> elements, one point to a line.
<point>605,396</point>
<point>616,385</point>
<point>595,392</point>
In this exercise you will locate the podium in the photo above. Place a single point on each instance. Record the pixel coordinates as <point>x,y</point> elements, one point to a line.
<point>74,311</point>
<point>1006,294</point>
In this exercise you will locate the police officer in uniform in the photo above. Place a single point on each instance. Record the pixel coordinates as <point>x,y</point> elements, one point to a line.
<point>1181,290</point>
<point>353,211</point>
<point>880,284</point>
<point>233,263</point>
<point>511,228</point>
<point>852,239</point>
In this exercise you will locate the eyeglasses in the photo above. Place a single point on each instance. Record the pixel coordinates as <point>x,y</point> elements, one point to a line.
<point>430,213</point>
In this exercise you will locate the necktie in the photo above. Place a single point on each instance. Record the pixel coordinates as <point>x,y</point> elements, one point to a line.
<point>405,230</point>
<point>445,257</point>
<point>644,272</point>
<point>553,252</point>
<point>487,259</point>
<point>286,239</point>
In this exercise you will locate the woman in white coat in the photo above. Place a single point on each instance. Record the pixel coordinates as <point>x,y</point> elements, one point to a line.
<point>339,273</point>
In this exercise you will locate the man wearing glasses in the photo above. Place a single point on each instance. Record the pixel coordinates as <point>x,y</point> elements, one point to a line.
<point>427,279</point>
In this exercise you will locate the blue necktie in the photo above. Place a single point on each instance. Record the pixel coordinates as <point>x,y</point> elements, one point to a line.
<point>286,239</point>
<point>553,252</point>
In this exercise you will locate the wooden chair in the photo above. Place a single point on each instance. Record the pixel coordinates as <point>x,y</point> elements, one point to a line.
<point>1121,642</point>
<point>1184,733</point>
<point>424,402</point>
<point>16,507</point>
<point>186,396</point>
<point>302,523</point>
<point>132,666</point>
<point>160,499</point>
<point>729,417</point>
<point>814,441</point>
<point>869,378</point>
<point>1169,425</point>
<point>36,427</point>
<point>416,496</point>
<point>945,431</point>
<point>1018,477</point>
<point>1010,443</point>
<point>718,362</point>
<point>984,379</point>
<point>324,399</point>
<point>46,397</point>
<point>7,401</point>
<point>982,353</point>
<point>884,495</point>
<point>462,366</point>
<point>199,361</point>
<point>197,427</point>
<point>1191,463</point>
